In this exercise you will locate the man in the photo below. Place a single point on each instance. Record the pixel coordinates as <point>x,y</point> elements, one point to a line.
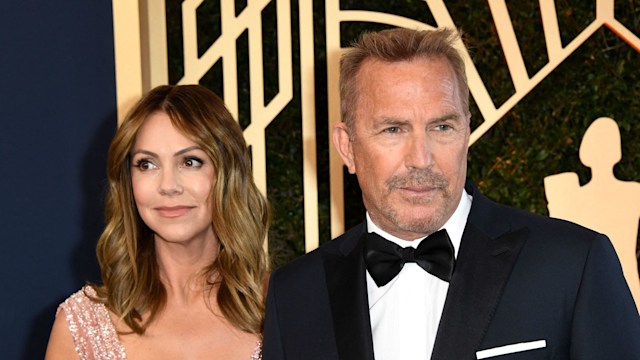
<point>483,281</point>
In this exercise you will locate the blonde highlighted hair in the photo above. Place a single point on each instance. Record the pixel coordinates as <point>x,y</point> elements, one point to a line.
<point>131,284</point>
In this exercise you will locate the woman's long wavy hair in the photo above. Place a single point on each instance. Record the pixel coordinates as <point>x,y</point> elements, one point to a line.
<point>131,283</point>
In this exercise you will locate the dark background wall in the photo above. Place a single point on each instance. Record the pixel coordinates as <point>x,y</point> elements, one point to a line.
<point>57,114</point>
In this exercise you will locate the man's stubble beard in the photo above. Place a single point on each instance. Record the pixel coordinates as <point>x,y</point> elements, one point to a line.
<point>426,178</point>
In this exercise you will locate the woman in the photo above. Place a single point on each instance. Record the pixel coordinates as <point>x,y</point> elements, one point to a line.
<point>181,256</point>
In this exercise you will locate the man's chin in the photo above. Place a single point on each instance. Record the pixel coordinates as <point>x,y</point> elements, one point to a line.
<point>422,208</point>
<point>422,222</point>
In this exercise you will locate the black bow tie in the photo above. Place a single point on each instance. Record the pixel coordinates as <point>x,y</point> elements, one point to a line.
<point>385,259</point>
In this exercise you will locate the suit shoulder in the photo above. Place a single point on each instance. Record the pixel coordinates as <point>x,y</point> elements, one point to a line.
<point>302,264</point>
<point>310,265</point>
<point>555,236</point>
<point>547,224</point>
<point>497,219</point>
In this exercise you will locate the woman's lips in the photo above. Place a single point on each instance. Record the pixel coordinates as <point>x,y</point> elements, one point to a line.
<point>173,211</point>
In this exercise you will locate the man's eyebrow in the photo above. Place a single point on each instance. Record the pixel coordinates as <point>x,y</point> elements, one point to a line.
<point>398,121</point>
<point>451,116</point>
<point>392,121</point>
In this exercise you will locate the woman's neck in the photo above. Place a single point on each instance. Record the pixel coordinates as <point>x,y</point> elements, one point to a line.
<point>181,268</point>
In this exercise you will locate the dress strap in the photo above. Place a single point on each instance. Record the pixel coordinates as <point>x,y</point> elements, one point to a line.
<point>90,325</point>
<point>257,353</point>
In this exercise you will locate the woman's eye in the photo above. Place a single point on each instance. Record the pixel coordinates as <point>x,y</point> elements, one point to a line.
<point>192,162</point>
<point>144,165</point>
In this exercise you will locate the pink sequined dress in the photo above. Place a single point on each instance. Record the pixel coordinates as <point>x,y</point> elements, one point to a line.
<point>93,333</point>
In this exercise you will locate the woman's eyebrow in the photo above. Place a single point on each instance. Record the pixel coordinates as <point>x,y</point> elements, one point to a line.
<point>178,153</point>
<point>186,150</point>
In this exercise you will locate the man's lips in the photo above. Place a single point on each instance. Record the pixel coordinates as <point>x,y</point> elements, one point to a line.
<point>418,189</point>
<point>173,211</point>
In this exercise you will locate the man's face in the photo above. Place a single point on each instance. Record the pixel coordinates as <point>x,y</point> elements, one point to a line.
<point>408,145</point>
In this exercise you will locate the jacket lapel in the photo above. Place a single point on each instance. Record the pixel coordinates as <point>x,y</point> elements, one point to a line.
<point>347,288</point>
<point>488,251</point>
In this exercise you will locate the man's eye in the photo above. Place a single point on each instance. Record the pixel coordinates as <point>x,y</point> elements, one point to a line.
<point>443,127</point>
<point>392,130</point>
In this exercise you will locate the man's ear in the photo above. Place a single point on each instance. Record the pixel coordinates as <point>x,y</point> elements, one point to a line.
<point>342,142</point>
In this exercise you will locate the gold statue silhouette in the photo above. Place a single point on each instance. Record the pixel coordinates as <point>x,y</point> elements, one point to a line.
<point>605,204</point>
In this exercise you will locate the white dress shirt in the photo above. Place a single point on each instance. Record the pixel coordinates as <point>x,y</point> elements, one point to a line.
<point>405,312</point>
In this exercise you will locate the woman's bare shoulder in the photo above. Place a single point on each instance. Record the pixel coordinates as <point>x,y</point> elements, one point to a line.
<point>60,344</point>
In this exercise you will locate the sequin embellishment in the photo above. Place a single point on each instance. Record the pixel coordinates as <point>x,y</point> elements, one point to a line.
<point>93,333</point>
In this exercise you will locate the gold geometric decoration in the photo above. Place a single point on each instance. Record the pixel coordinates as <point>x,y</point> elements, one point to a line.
<point>140,37</point>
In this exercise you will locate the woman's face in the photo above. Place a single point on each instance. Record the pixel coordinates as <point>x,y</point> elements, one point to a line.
<point>172,179</point>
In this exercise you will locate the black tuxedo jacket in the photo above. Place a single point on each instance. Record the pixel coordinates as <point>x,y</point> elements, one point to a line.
<point>518,278</point>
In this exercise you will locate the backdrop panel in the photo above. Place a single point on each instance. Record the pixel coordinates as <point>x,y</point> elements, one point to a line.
<point>58,112</point>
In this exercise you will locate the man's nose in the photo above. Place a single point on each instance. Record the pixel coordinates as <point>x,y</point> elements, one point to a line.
<point>418,152</point>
